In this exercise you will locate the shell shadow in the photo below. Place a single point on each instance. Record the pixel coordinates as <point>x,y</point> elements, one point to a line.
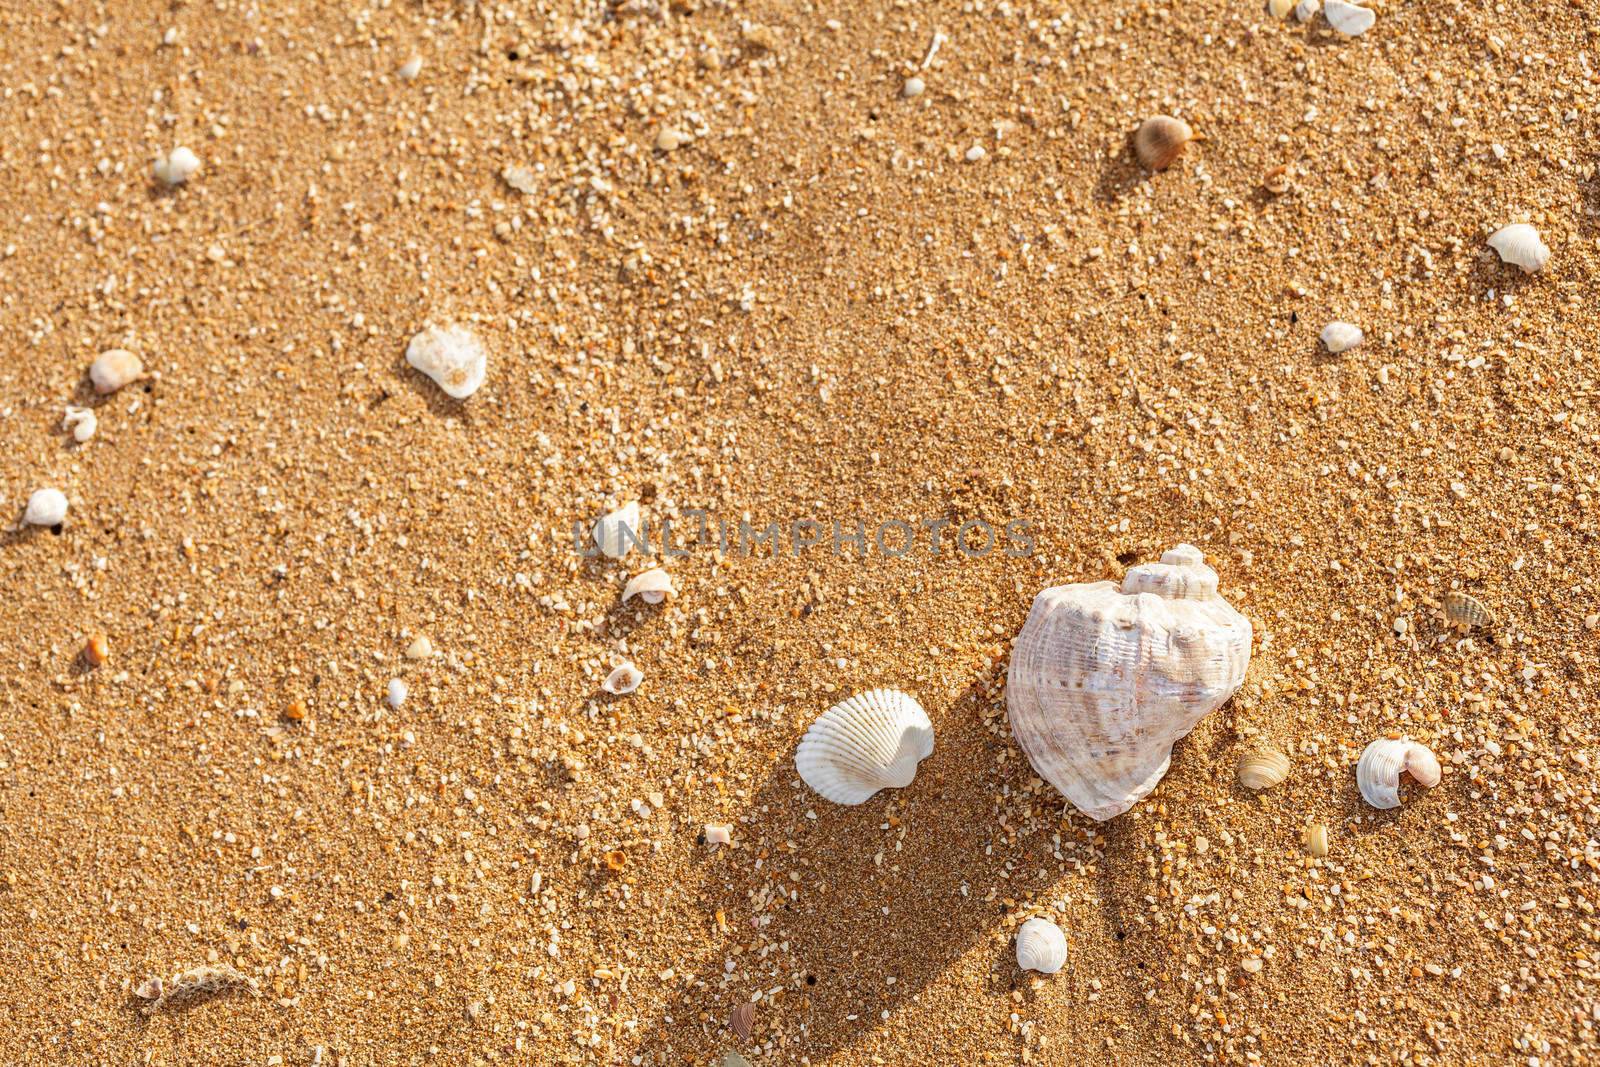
<point>1120,174</point>
<point>881,902</point>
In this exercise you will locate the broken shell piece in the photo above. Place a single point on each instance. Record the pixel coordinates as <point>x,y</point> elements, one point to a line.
<point>397,692</point>
<point>410,68</point>
<point>419,648</point>
<point>872,741</point>
<point>1160,139</point>
<point>1041,946</point>
<point>46,507</point>
<point>1341,336</point>
<point>622,681</point>
<point>1520,245</point>
<point>521,179</point>
<point>718,834</point>
<point>1385,760</point>
<point>452,356</point>
<point>82,422</point>
<point>653,586</point>
<point>1279,9</point>
<point>114,368</point>
<point>617,534</point>
<point>1104,678</point>
<point>743,1020</point>
<point>1306,10</point>
<point>1349,19</point>
<point>914,86</point>
<point>1262,767</point>
<point>176,167</point>
<point>1466,611</point>
<point>150,988</point>
<point>1315,840</point>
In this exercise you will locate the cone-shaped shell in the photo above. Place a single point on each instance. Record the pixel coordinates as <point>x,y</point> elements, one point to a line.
<point>1385,760</point>
<point>1041,946</point>
<point>870,742</point>
<point>1104,678</point>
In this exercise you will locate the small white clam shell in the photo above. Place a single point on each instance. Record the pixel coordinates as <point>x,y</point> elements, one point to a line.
<point>1262,767</point>
<point>82,422</point>
<point>1350,19</point>
<point>617,534</point>
<point>1520,245</point>
<point>872,741</point>
<point>46,507</point>
<point>1385,760</point>
<point>1341,336</point>
<point>623,680</point>
<point>653,586</point>
<point>1279,9</point>
<point>1041,946</point>
<point>452,356</point>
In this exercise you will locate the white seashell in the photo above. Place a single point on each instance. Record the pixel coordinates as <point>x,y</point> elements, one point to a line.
<point>1306,10</point>
<point>419,648</point>
<point>114,368</point>
<point>624,680</point>
<point>1279,9</point>
<point>1041,946</point>
<point>410,69</point>
<point>176,167</point>
<point>397,692</point>
<point>46,507</point>
<point>82,422</point>
<point>872,741</point>
<point>1262,767</point>
<point>1104,678</point>
<point>914,86</point>
<point>150,988</point>
<point>1349,19</point>
<point>1379,769</point>
<point>1520,245</point>
<point>452,356</point>
<point>653,586</point>
<point>617,534</point>
<point>1341,336</point>
<point>718,834</point>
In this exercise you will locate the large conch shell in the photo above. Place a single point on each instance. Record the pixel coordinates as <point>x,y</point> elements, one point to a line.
<point>1104,678</point>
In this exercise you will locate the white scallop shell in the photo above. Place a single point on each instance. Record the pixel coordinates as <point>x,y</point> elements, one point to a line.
<point>1520,245</point>
<point>1341,336</point>
<point>872,741</point>
<point>653,586</point>
<point>452,356</point>
<point>46,507</point>
<point>1306,10</point>
<point>1104,678</point>
<point>617,533</point>
<point>1379,769</point>
<point>624,680</point>
<point>1350,19</point>
<point>1041,946</point>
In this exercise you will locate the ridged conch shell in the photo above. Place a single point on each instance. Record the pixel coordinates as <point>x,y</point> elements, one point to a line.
<point>452,356</point>
<point>1160,140</point>
<point>653,586</point>
<point>1349,19</point>
<point>1104,678</point>
<point>1341,336</point>
<point>872,741</point>
<point>1385,760</point>
<point>1466,611</point>
<point>1262,767</point>
<point>1041,946</point>
<point>1520,245</point>
<point>623,680</point>
<point>617,533</point>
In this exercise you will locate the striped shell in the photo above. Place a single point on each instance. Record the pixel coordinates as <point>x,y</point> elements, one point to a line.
<point>1041,946</point>
<point>1104,678</point>
<point>1262,767</point>
<point>1520,245</point>
<point>623,680</point>
<point>1466,611</point>
<point>872,741</point>
<point>1385,760</point>
<point>1160,140</point>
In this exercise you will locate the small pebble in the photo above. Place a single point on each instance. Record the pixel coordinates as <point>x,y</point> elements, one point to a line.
<point>46,507</point>
<point>398,691</point>
<point>177,167</point>
<point>718,834</point>
<point>975,153</point>
<point>452,356</point>
<point>410,69</point>
<point>96,650</point>
<point>296,711</point>
<point>914,86</point>
<point>1341,336</point>
<point>114,368</point>
<point>670,140</point>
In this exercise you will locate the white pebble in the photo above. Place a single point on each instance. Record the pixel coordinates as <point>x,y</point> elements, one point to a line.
<point>398,691</point>
<point>718,835</point>
<point>46,507</point>
<point>82,422</point>
<point>452,356</point>
<point>114,368</point>
<point>975,153</point>
<point>411,68</point>
<point>1349,19</point>
<point>1341,336</point>
<point>914,86</point>
<point>670,140</point>
<point>177,167</point>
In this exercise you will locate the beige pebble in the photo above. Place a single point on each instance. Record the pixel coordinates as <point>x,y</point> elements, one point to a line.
<point>114,368</point>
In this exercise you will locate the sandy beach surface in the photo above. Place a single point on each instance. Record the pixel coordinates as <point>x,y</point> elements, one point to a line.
<point>729,263</point>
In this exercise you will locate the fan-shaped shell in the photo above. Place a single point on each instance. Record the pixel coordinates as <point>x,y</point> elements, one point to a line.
<point>653,586</point>
<point>1262,767</point>
<point>872,741</point>
<point>1465,610</point>
<point>1104,678</point>
<point>1041,946</point>
<point>1160,140</point>
<point>617,533</point>
<point>1520,245</point>
<point>1385,760</point>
